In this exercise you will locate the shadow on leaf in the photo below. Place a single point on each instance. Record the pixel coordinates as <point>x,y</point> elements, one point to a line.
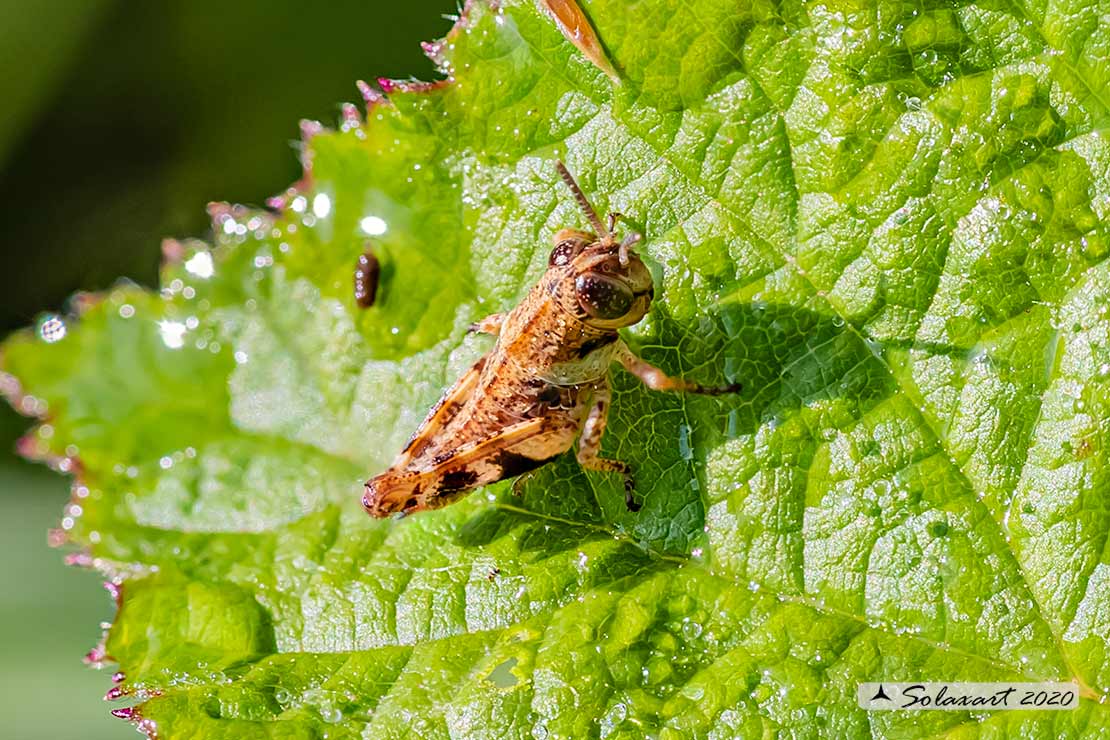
<point>787,359</point>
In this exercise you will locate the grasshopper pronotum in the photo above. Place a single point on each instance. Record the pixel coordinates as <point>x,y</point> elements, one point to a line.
<point>544,384</point>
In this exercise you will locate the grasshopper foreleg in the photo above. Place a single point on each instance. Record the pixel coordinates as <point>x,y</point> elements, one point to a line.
<point>489,325</point>
<point>589,444</point>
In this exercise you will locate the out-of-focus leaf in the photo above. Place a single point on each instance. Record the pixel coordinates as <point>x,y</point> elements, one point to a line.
<point>37,40</point>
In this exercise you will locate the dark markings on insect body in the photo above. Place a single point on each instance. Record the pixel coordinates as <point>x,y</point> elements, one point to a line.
<point>548,394</point>
<point>545,383</point>
<point>367,273</point>
<point>458,480</point>
<point>598,342</point>
<point>512,464</point>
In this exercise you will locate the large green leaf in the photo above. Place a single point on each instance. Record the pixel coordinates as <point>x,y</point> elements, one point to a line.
<point>888,220</point>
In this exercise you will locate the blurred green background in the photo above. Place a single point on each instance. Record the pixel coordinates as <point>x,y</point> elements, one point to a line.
<point>121,120</point>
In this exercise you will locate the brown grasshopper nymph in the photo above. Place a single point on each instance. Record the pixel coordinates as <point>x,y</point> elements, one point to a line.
<point>545,382</point>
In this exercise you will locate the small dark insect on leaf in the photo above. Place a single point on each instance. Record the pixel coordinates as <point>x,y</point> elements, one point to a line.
<point>367,272</point>
<point>493,573</point>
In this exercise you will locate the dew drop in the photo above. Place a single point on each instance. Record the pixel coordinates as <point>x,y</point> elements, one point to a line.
<point>373,225</point>
<point>691,630</point>
<point>52,329</point>
<point>200,264</point>
<point>693,692</point>
<point>172,333</point>
<point>613,719</point>
<point>938,529</point>
<point>732,429</point>
<point>684,448</point>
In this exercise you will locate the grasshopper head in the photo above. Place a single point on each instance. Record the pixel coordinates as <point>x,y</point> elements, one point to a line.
<point>602,281</point>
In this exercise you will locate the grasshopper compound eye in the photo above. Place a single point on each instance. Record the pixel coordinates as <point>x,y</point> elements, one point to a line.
<point>602,297</point>
<point>564,252</point>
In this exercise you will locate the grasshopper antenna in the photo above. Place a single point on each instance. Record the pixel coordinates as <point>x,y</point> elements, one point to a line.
<point>629,241</point>
<point>583,203</point>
